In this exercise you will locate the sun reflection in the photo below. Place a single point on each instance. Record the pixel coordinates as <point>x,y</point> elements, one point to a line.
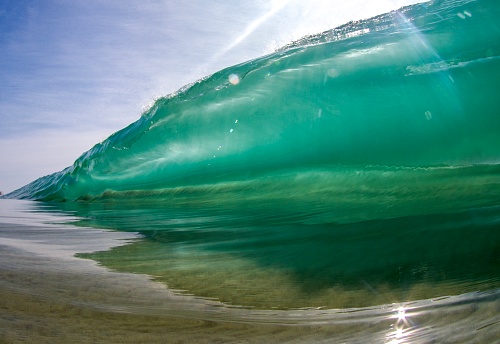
<point>234,79</point>
<point>401,329</point>
<point>401,314</point>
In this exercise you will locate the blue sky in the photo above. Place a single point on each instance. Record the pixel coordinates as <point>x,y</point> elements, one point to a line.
<point>73,72</point>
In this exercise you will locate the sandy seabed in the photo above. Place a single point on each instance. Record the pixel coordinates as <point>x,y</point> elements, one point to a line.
<point>49,296</point>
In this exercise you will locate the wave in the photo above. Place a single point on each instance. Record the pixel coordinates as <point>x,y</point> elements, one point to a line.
<point>414,88</point>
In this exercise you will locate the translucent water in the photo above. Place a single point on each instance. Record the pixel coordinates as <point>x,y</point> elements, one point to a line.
<point>50,296</point>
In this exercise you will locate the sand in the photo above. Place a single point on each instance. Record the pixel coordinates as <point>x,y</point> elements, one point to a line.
<point>50,296</point>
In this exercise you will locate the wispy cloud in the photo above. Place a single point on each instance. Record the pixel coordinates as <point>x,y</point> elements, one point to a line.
<point>275,6</point>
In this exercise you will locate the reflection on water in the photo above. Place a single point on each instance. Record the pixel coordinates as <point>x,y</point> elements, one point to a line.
<point>283,259</point>
<point>57,282</point>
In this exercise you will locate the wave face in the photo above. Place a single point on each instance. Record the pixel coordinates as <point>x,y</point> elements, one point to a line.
<point>415,88</point>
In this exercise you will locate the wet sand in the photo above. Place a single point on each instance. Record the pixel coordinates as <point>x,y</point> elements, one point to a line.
<point>49,296</point>
<point>62,299</point>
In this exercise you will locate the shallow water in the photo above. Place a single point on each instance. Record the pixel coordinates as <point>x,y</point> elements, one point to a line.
<point>380,236</point>
<point>294,265</point>
<point>51,296</point>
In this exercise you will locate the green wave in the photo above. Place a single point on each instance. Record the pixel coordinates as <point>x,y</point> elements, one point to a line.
<point>413,88</point>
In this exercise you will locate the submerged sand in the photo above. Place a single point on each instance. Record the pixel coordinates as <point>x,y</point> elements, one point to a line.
<point>49,295</point>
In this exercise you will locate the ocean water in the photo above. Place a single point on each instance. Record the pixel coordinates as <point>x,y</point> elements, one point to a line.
<point>354,168</point>
<point>49,295</point>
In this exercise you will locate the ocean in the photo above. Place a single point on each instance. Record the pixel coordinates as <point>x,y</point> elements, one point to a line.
<point>345,187</point>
